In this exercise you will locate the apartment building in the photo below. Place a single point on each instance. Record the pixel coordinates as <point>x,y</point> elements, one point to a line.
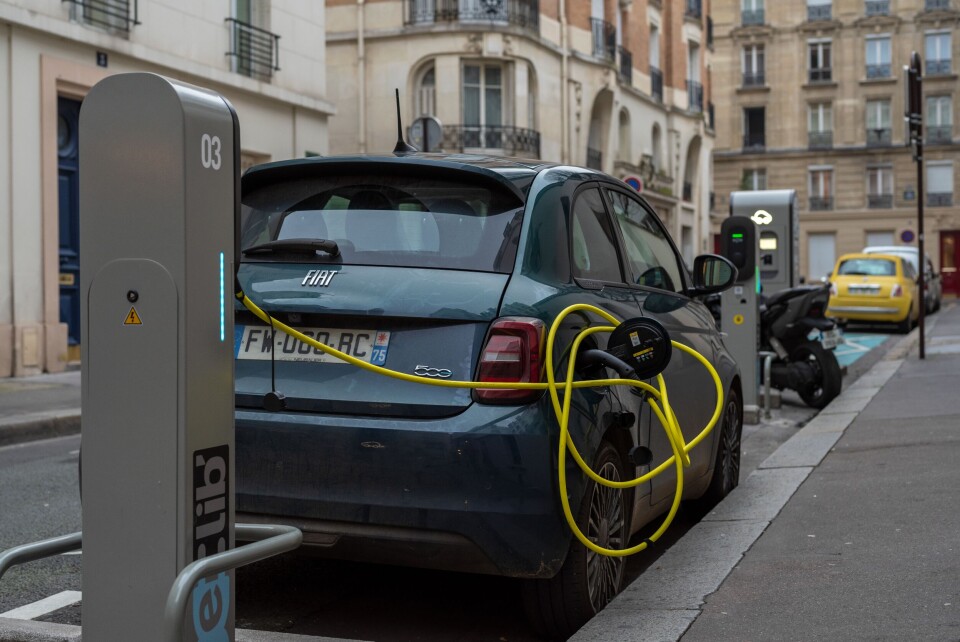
<point>810,96</point>
<point>618,85</point>
<point>266,56</point>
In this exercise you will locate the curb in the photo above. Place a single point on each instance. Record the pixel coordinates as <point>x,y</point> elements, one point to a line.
<point>33,631</point>
<point>39,425</point>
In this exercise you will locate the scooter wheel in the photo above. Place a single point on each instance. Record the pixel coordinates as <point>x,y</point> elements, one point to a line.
<point>828,378</point>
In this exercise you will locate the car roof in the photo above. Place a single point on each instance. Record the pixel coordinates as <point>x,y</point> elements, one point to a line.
<point>871,255</point>
<point>905,250</point>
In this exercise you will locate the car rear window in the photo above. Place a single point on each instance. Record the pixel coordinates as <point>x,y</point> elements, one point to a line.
<point>868,267</point>
<point>389,220</point>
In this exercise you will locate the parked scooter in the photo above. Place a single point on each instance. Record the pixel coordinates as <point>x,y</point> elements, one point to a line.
<point>805,361</point>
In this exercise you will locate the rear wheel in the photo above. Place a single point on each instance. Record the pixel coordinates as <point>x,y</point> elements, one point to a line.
<point>587,581</point>
<point>726,468</point>
<point>906,325</point>
<point>827,378</point>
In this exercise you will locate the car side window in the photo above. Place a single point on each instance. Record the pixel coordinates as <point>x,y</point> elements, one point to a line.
<point>651,258</point>
<point>593,243</point>
<point>908,270</point>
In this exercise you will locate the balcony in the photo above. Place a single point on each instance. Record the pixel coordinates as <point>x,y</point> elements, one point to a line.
<point>821,75</point>
<point>939,199</point>
<point>937,67</point>
<point>519,13</point>
<point>255,51</point>
<point>594,159</point>
<point>492,139</point>
<point>754,79</point>
<point>626,66</point>
<point>878,71</point>
<point>821,203</point>
<point>694,9</point>
<point>939,134</point>
<point>819,12</point>
<point>695,92</point>
<point>879,137</point>
<point>877,7</point>
<point>936,5</point>
<point>687,192</point>
<point>754,17</point>
<point>114,15</point>
<point>754,142</point>
<point>820,140</point>
<point>880,201</point>
<point>604,39</point>
<point>656,84</point>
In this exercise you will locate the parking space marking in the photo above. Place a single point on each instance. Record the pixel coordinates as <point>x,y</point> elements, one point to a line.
<point>855,345</point>
<point>44,606</point>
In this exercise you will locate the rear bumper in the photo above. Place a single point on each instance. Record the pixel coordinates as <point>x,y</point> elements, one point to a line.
<point>873,309</point>
<point>474,493</point>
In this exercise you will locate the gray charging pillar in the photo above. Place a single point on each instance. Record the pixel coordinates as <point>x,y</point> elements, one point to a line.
<point>778,224</point>
<point>158,184</point>
<point>740,306</point>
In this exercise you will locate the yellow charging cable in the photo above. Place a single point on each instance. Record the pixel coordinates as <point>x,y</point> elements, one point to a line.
<point>666,416</point>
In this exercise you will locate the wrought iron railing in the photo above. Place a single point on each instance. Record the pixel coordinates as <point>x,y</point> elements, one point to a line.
<point>711,116</point>
<point>626,66</point>
<point>119,15</point>
<point>936,5</point>
<point>939,134</point>
<point>521,13</point>
<point>938,67</point>
<point>656,84</point>
<point>878,71</point>
<point>709,31</point>
<point>754,141</point>
<point>695,92</point>
<point>877,7</point>
<point>879,201</point>
<point>754,79</point>
<point>821,74</point>
<point>687,192</point>
<point>493,139</point>
<point>940,199</point>
<point>821,203</point>
<point>752,17</point>
<point>256,51</point>
<point>819,12</point>
<point>694,9</point>
<point>820,140</point>
<point>594,158</point>
<point>879,137</point>
<point>604,39</point>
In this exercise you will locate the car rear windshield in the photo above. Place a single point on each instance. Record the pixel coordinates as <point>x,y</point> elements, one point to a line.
<point>388,220</point>
<point>868,267</point>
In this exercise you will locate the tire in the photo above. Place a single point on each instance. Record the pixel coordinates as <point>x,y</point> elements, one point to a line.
<point>726,467</point>
<point>558,606</point>
<point>828,380</point>
<point>903,327</point>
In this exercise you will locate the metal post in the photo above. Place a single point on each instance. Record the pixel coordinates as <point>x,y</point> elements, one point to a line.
<point>914,118</point>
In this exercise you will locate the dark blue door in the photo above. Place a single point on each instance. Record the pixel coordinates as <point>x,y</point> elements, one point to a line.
<point>69,195</point>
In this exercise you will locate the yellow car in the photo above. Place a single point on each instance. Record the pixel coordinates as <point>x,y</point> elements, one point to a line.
<point>874,288</point>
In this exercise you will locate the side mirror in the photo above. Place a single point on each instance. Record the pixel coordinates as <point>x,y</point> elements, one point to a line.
<point>712,274</point>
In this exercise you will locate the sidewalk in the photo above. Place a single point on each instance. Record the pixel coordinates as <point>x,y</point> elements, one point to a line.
<point>850,530</point>
<point>39,407</point>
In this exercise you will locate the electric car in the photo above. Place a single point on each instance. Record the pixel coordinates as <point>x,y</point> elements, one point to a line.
<point>454,267</point>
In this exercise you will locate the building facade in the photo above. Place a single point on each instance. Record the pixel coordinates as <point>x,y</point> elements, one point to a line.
<point>618,85</point>
<point>267,57</point>
<point>811,97</point>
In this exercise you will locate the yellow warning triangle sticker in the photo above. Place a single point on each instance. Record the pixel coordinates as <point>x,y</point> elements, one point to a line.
<point>132,318</point>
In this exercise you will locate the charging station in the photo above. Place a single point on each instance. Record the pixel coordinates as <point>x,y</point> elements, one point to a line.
<point>740,305</point>
<point>775,214</point>
<point>158,193</point>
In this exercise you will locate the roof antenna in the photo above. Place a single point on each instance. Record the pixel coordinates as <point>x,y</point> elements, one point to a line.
<point>402,147</point>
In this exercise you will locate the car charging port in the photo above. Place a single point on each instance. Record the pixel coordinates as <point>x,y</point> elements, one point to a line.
<point>643,345</point>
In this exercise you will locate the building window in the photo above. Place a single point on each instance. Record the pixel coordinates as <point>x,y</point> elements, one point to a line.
<point>878,123</point>
<point>752,64</point>
<point>694,88</point>
<point>483,106</point>
<point>751,12</point>
<point>877,7</point>
<point>656,76</point>
<point>938,59</point>
<point>819,10</point>
<point>820,126</point>
<point>878,56</point>
<point>425,96</point>
<point>880,238</point>
<point>939,125</point>
<point>940,184</point>
<point>820,60</point>
<point>879,187</point>
<point>254,50</point>
<point>116,16</point>
<point>754,180</point>
<point>936,5</point>
<point>821,188</point>
<point>821,253</point>
<point>754,126</point>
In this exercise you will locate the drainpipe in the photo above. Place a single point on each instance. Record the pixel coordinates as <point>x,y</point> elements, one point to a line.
<point>361,79</point>
<point>564,91</point>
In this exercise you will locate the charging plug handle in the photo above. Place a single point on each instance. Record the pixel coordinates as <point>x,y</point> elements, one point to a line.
<point>594,357</point>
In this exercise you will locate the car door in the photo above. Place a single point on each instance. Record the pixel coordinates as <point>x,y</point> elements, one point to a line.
<point>658,280</point>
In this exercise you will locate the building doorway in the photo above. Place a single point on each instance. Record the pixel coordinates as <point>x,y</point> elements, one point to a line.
<point>949,250</point>
<point>68,193</point>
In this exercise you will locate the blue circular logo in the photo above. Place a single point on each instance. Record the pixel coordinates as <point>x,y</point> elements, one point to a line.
<point>907,236</point>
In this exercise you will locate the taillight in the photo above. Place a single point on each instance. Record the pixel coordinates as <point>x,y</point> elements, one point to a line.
<point>897,290</point>
<point>512,354</point>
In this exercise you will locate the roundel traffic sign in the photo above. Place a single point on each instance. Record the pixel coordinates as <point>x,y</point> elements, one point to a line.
<point>634,181</point>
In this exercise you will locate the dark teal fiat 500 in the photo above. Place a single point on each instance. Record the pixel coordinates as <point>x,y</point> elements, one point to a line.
<point>454,267</point>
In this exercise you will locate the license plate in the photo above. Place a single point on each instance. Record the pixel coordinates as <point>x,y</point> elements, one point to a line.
<point>864,289</point>
<point>831,339</point>
<point>254,342</point>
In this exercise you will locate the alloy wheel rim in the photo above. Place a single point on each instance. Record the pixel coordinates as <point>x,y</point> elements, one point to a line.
<point>606,527</point>
<point>731,448</point>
